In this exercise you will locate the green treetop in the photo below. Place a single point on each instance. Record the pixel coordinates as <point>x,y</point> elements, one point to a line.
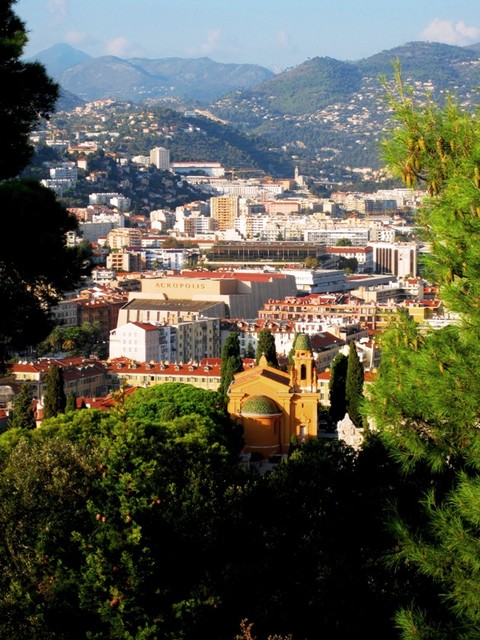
<point>23,414</point>
<point>28,288</point>
<point>231,361</point>
<point>338,379</point>
<point>426,399</point>
<point>54,401</point>
<point>266,346</point>
<point>354,385</point>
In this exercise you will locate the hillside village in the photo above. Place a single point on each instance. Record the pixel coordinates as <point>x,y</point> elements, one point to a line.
<point>223,253</point>
<point>239,384</point>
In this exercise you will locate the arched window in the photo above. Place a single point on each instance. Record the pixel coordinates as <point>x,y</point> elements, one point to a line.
<point>303,372</point>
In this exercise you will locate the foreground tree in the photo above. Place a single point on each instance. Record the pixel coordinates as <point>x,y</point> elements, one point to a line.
<point>426,401</point>
<point>28,288</point>
<point>31,94</point>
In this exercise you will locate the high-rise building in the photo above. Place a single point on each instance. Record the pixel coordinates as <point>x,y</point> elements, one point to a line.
<point>224,210</point>
<point>160,157</point>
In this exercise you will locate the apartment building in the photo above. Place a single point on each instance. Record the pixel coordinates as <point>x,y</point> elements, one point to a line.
<point>160,157</point>
<point>224,210</point>
<point>204,374</point>
<point>84,377</point>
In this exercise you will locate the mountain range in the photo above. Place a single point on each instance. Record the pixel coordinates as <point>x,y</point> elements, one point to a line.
<point>321,111</point>
<point>137,79</point>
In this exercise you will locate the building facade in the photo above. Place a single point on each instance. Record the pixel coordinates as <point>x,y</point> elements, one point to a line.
<point>275,407</point>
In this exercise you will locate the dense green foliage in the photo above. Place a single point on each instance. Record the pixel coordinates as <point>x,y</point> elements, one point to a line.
<point>31,94</point>
<point>426,401</point>
<point>23,413</point>
<point>266,346</point>
<point>231,362</point>
<point>83,340</point>
<point>54,400</point>
<point>354,385</point>
<point>338,379</point>
<point>141,524</point>
<point>31,280</point>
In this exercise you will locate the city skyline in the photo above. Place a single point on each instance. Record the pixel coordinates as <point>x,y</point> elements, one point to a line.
<point>273,34</point>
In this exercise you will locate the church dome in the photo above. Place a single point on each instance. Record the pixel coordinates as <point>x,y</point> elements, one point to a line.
<point>302,343</point>
<point>260,405</point>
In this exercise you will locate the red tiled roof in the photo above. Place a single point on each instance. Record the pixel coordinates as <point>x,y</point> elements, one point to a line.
<point>146,326</point>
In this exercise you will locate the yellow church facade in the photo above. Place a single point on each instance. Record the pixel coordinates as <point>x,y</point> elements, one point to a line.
<point>274,406</point>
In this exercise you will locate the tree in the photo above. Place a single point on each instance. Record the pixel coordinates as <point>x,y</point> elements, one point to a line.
<point>337,388</point>
<point>311,262</point>
<point>23,413</point>
<point>250,351</point>
<point>31,95</point>
<point>54,401</point>
<point>354,385</point>
<point>28,288</point>
<point>71,404</point>
<point>266,346</point>
<point>426,400</point>
<point>343,242</point>
<point>231,362</point>
<point>349,265</point>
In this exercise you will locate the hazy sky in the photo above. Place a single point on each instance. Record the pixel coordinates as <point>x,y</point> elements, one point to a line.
<point>273,33</point>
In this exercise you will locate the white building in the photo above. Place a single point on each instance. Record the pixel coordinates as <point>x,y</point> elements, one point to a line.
<point>359,236</point>
<point>160,157</point>
<point>213,169</point>
<point>317,280</point>
<point>397,258</point>
<point>136,340</point>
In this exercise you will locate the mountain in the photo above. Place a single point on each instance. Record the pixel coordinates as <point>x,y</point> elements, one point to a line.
<point>322,113</point>
<point>137,79</point>
<point>326,111</point>
<point>59,58</point>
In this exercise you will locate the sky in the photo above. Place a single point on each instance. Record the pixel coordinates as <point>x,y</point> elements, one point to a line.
<point>277,34</point>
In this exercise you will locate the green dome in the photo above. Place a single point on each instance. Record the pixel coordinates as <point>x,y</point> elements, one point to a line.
<point>260,405</point>
<point>302,343</point>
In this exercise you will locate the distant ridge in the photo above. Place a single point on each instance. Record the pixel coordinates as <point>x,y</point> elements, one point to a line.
<point>323,111</point>
<point>137,79</point>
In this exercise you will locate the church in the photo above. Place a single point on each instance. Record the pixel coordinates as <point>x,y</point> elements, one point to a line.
<point>274,406</point>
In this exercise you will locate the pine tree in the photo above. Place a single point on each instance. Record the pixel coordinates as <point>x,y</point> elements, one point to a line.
<point>337,388</point>
<point>54,401</point>
<point>23,413</point>
<point>231,362</point>
<point>354,385</point>
<point>266,346</point>
<point>425,402</point>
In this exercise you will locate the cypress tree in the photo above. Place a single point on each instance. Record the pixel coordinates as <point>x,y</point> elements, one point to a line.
<point>23,413</point>
<point>231,362</point>
<point>337,388</point>
<point>71,402</point>
<point>266,346</point>
<point>354,385</point>
<point>54,401</point>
